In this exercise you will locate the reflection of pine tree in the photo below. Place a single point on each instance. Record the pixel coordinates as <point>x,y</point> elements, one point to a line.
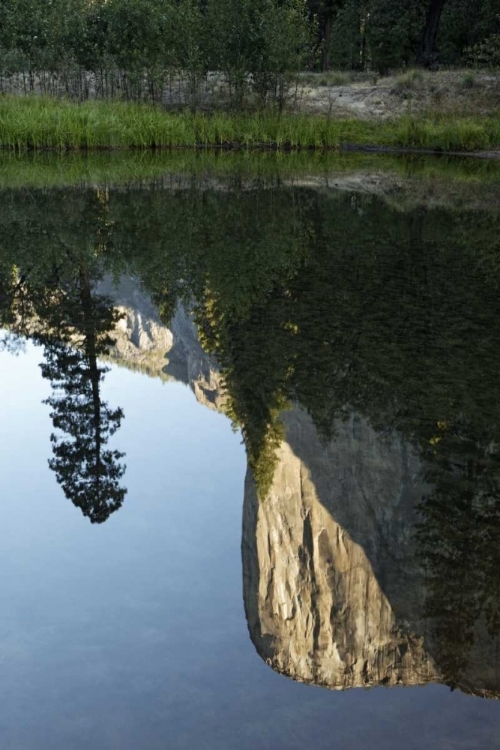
<point>88,473</point>
<point>75,333</point>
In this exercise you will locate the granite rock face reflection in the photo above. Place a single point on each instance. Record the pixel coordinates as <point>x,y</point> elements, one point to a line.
<point>142,341</point>
<point>334,591</point>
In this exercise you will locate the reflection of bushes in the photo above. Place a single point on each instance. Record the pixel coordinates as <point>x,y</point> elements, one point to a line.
<point>379,333</point>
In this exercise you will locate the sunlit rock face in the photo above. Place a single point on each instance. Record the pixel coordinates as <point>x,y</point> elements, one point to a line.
<point>333,591</point>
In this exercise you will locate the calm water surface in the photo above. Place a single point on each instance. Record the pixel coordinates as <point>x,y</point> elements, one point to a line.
<point>249,452</point>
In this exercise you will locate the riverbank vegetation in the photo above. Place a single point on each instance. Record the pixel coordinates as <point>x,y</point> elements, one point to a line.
<point>41,123</point>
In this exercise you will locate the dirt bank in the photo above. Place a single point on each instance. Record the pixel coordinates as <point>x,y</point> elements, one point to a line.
<point>413,92</point>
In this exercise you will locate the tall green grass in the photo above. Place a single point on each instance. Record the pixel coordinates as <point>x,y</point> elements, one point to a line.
<point>35,123</point>
<point>450,134</point>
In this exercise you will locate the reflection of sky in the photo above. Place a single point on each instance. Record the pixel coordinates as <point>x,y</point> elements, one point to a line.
<point>132,634</point>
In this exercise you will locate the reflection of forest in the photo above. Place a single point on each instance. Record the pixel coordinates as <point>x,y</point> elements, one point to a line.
<point>327,300</point>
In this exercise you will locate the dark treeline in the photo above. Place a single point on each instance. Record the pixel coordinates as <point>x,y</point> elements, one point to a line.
<point>387,34</point>
<point>160,49</point>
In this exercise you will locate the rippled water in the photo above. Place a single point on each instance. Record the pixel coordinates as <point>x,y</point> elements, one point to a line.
<point>324,355</point>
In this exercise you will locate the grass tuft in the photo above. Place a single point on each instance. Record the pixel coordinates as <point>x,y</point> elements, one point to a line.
<point>469,80</point>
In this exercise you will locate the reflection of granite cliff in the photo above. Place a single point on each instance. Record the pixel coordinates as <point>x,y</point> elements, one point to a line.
<point>332,588</point>
<point>144,343</point>
<point>318,575</point>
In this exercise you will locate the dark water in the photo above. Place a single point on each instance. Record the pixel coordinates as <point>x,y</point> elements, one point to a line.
<point>327,359</point>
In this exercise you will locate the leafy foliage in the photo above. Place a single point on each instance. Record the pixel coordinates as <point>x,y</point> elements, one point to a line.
<point>136,47</point>
<point>486,54</point>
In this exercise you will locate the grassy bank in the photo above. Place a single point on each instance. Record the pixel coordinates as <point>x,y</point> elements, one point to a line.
<point>36,123</point>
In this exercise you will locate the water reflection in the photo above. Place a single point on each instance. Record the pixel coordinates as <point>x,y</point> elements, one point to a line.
<point>359,351</point>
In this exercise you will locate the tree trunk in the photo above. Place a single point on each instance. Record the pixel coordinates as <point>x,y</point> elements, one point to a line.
<point>94,375</point>
<point>326,41</point>
<point>427,55</point>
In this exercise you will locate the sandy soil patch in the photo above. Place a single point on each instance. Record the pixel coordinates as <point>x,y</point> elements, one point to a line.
<point>461,91</point>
